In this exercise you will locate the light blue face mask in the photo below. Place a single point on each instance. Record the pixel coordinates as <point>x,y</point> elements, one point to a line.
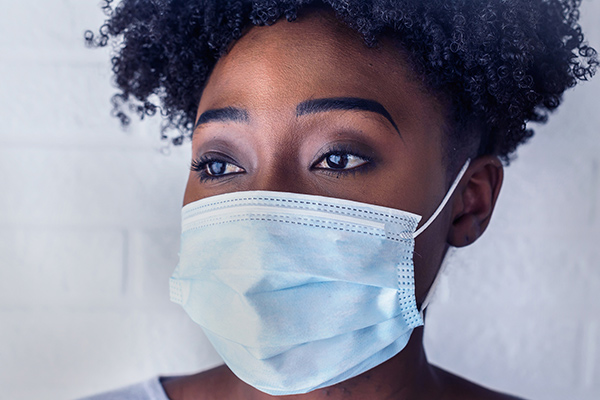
<point>299,292</point>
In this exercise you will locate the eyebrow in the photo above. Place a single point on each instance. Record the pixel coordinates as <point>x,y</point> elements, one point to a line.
<point>223,115</point>
<point>344,103</point>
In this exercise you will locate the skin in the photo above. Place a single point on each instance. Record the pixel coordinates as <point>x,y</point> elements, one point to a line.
<point>268,145</point>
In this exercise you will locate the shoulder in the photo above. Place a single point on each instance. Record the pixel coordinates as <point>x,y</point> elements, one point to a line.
<point>147,390</point>
<point>460,388</point>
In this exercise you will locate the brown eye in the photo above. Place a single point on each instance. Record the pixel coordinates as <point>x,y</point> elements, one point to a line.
<point>341,161</point>
<point>337,161</point>
<point>220,168</point>
<point>209,168</point>
<point>216,168</point>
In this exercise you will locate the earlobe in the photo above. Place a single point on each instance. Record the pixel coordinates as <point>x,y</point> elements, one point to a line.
<point>474,200</point>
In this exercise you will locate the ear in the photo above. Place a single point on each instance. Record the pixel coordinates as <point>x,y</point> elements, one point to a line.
<point>474,200</point>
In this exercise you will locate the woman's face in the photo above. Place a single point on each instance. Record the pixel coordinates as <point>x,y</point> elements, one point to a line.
<point>306,107</point>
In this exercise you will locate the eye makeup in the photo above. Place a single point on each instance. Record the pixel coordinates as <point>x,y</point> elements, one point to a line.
<point>214,166</point>
<point>335,159</point>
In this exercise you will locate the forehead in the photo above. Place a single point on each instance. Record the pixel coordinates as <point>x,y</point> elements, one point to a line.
<point>314,57</point>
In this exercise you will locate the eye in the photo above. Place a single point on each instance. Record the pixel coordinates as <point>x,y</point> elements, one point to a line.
<point>340,161</point>
<point>218,168</point>
<point>209,167</point>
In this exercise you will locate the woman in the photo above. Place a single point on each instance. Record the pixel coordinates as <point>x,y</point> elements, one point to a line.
<point>339,149</point>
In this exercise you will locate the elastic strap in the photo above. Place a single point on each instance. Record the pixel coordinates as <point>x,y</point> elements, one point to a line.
<point>445,200</point>
<point>436,281</point>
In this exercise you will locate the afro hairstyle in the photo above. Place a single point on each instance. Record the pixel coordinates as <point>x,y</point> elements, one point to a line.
<point>498,63</point>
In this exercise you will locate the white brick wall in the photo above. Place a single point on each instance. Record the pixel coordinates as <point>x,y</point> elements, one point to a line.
<point>89,236</point>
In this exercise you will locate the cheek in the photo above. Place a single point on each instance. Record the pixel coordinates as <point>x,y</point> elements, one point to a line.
<point>430,249</point>
<point>424,188</point>
<point>191,189</point>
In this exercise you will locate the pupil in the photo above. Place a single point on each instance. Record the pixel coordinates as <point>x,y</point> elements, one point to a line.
<point>216,168</point>
<point>337,161</point>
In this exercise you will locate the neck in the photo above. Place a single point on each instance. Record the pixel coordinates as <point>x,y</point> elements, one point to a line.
<point>406,376</point>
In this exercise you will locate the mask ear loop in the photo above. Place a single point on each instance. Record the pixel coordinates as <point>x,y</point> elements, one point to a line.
<point>430,220</point>
<point>445,200</point>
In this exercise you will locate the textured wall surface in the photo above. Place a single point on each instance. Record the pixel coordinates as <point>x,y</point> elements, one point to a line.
<point>89,235</point>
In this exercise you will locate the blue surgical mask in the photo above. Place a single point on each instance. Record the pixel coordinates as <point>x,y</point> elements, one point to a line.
<point>298,292</point>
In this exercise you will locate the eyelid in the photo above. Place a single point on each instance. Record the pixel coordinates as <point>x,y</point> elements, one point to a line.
<point>351,159</point>
<point>216,155</point>
<point>341,148</point>
<point>199,165</point>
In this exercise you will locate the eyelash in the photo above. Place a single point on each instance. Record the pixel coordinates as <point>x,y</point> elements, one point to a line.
<point>199,166</point>
<point>339,150</point>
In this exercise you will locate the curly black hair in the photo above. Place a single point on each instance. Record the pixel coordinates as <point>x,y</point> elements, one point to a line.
<point>500,63</point>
